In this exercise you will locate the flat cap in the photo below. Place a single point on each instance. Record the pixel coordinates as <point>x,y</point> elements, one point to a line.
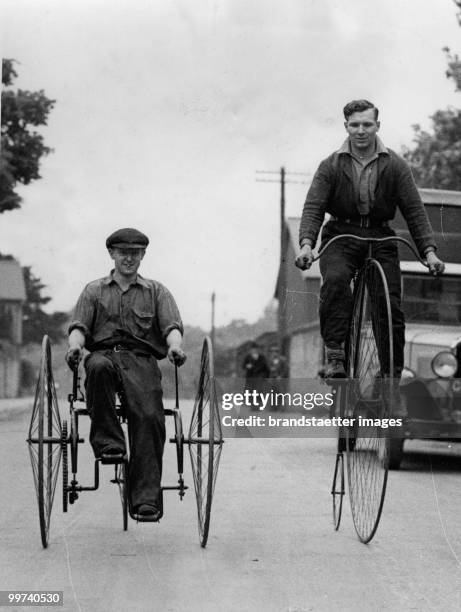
<point>127,237</point>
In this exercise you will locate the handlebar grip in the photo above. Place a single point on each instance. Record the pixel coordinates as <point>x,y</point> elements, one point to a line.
<point>75,381</point>
<point>176,386</point>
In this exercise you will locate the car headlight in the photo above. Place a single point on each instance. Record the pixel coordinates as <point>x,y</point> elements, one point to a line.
<point>444,364</point>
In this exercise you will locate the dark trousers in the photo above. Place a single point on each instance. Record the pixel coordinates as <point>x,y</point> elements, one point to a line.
<point>138,379</point>
<point>338,266</point>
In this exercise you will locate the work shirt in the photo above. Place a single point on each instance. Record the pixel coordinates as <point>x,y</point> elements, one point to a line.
<point>365,176</point>
<point>143,315</point>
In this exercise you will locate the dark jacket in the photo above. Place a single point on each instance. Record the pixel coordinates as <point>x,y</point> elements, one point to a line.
<point>255,368</point>
<point>332,191</point>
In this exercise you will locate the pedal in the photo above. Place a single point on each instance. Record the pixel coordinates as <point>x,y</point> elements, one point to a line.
<point>111,459</point>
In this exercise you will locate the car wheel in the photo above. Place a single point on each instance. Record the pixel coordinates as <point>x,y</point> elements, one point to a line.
<point>395,453</point>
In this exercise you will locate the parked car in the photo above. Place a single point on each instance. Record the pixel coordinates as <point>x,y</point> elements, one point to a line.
<point>431,380</point>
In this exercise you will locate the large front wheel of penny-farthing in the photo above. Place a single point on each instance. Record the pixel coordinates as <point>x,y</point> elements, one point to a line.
<point>45,440</point>
<point>368,395</point>
<point>205,441</point>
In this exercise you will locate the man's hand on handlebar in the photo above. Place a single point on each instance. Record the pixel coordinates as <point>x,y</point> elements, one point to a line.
<point>74,356</point>
<point>435,265</point>
<point>305,258</point>
<point>176,355</point>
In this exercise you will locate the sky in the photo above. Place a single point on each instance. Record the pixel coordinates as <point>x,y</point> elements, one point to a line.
<point>166,109</point>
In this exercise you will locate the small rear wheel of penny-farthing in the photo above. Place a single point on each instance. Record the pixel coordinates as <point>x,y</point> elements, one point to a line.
<point>205,441</point>
<point>121,478</point>
<point>338,488</point>
<point>45,440</point>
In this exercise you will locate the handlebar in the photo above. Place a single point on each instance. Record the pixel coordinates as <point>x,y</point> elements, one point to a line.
<point>371,241</point>
<point>176,386</point>
<point>75,381</point>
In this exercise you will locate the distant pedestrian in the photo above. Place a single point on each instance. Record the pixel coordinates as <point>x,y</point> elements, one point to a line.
<point>256,370</point>
<point>278,374</point>
<point>278,367</point>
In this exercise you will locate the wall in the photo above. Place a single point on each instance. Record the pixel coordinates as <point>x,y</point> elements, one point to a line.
<point>9,371</point>
<point>304,352</point>
<point>300,301</point>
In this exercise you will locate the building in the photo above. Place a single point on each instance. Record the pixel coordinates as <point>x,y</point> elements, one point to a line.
<point>298,291</point>
<point>12,297</point>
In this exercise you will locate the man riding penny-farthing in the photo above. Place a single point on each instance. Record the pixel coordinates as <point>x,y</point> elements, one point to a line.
<point>125,323</point>
<point>361,186</point>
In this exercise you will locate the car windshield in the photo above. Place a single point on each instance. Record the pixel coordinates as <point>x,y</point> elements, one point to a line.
<point>427,299</point>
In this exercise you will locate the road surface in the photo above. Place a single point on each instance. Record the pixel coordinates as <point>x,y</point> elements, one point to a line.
<point>271,547</point>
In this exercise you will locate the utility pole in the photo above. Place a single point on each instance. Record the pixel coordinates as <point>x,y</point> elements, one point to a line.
<point>282,318</point>
<point>212,333</point>
<point>282,218</point>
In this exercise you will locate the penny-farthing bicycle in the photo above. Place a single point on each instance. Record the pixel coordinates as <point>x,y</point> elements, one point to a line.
<point>53,443</point>
<point>365,397</point>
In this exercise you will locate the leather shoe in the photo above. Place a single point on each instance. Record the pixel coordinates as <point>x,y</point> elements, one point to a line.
<point>335,369</point>
<point>148,510</point>
<point>335,359</point>
<point>112,450</point>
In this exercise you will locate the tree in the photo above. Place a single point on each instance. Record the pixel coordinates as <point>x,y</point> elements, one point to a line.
<point>21,147</point>
<point>453,61</point>
<point>436,157</point>
<point>36,322</point>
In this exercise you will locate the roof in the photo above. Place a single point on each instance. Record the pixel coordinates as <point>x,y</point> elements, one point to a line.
<point>11,281</point>
<point>440,196</point>
<point>432,334</point>
<point>415,267</point>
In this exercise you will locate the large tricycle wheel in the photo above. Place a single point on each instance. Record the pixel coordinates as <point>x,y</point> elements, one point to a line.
<point>45,440</point>
<point>205,441</point>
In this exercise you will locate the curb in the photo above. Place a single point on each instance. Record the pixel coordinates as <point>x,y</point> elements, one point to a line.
<point>15,406</point>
